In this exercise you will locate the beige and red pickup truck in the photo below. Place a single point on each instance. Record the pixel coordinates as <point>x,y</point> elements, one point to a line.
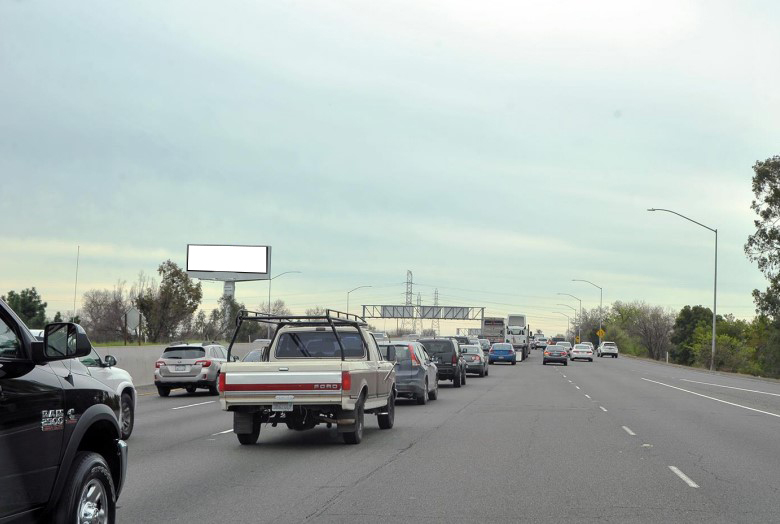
<point>318,370</point>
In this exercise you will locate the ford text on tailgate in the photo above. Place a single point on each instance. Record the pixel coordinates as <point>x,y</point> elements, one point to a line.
<point>318,370</point>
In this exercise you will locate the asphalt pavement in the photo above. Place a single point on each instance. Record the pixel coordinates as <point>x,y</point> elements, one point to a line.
<point>616,440</point>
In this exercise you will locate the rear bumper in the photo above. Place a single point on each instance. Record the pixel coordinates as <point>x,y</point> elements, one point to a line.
<point>475,368</point>
<point>561,360</point>
<point>501,358</point>
<point>410,389</point>
<point>180,383</point>
<point>446,373</point>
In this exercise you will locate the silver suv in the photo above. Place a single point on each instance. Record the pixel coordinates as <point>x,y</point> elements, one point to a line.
<point>189,366</point>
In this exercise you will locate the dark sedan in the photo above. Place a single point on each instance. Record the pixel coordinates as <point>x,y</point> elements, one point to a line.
<point>555,353</point>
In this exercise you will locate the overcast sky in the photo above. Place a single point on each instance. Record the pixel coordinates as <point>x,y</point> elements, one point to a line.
<point>496,149</point>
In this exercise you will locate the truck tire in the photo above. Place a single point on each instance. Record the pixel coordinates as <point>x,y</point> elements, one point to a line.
<point>463,379</point>
<point>88,493</point>
<point>355,437</point>
<point>456,381</point>
<point>247,439</point>
<point>163,391</point>
<point>387,420</point>
<point>128,415</point>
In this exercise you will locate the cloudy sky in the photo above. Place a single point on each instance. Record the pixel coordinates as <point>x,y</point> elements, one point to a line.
<point>496,149</point>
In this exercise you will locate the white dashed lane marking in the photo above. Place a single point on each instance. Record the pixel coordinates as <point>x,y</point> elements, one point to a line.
<point>603,408</point>
<point>193,405</point>
<point>628,430</point>
<point>684,477</point>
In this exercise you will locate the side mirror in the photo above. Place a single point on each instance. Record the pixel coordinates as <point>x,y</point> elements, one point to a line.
<point>391,353</point>
<point>109,361</point>
<point>61,341</point>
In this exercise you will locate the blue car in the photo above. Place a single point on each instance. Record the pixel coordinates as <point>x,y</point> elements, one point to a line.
<point>502,352</point>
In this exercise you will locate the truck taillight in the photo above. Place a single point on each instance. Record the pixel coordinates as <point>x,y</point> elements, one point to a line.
<point>222,382</point>
<point>547,353</point>
<point>454,359</point>
<point>415,362</point>
<point>159,364</point>
<point>346,381</point>
<point>203,363</point>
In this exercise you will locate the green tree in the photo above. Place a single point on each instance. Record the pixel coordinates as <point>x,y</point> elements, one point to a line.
<point>29,306</point>
<point>169,306</point>
<point>763,246</point>
<point>57,317</point>
<point>688,319</point>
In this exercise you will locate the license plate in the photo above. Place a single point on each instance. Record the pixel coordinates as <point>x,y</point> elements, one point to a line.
<point>180,368</point>
<point>282,406</point>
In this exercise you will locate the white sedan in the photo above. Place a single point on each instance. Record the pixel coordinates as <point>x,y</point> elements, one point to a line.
<point>581,351</point>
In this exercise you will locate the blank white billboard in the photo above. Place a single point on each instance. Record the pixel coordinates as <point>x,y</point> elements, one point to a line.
<point>230,263</point>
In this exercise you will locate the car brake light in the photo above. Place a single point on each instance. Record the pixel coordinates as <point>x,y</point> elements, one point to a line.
<point>203,363</point>
<point>222,382</point>
<point>159,364</point>
<point>346,381</point>
<point>454,358</point>
<point>476,357</point>
<point>547,353</point>
<point>415,362</point>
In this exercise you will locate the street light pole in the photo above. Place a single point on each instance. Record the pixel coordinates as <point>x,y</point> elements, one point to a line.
<point>568,320</point>
<point>570,307</point>
<point>579,324</point>
<point>268,331</point>
<point>601,300</point>
<point>715,286</point>
<point>350,291</point>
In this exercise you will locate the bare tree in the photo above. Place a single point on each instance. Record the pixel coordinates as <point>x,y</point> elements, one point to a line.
<point>103,313</point>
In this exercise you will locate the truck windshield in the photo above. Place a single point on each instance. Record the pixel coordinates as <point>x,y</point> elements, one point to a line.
<point>319,344</point>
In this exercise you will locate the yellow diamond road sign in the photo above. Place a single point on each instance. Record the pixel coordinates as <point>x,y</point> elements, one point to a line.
<point>601,333</point>
<point>577,340</point>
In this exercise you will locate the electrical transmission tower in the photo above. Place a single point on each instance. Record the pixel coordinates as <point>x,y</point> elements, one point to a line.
<point>416,313</point>
<point>409,296</point>
<point>435,323</point>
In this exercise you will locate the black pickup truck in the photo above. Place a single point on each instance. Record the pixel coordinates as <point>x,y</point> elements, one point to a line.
<point>61,456</point>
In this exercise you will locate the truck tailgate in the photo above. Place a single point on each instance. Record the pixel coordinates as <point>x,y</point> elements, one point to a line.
<point>266,383</point>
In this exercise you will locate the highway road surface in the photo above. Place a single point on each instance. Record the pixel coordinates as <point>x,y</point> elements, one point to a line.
<point>616,440</point>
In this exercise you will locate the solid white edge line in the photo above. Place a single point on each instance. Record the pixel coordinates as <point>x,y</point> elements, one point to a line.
<point>222,432</point>
<point>684,477</point>
<point>713,398</point>
<point>628,430</point>
<point>603,408</point>
<point>198,404</point>
<point>731,387</point>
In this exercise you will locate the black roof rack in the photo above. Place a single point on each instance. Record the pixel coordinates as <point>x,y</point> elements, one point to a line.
<point>331,318</point>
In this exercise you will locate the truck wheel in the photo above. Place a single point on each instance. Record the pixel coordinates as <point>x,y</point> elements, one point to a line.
<point>354,437</point>
<point>514,362</point>
<point>422,398</point>
<point>190,389</point>
<point>163,391</point>
<point>247,439</point>
<point>89,492</point>
<point>387,420</point>
<point>128,415</point>
<point>463,380</point>
<point>456,381</point>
